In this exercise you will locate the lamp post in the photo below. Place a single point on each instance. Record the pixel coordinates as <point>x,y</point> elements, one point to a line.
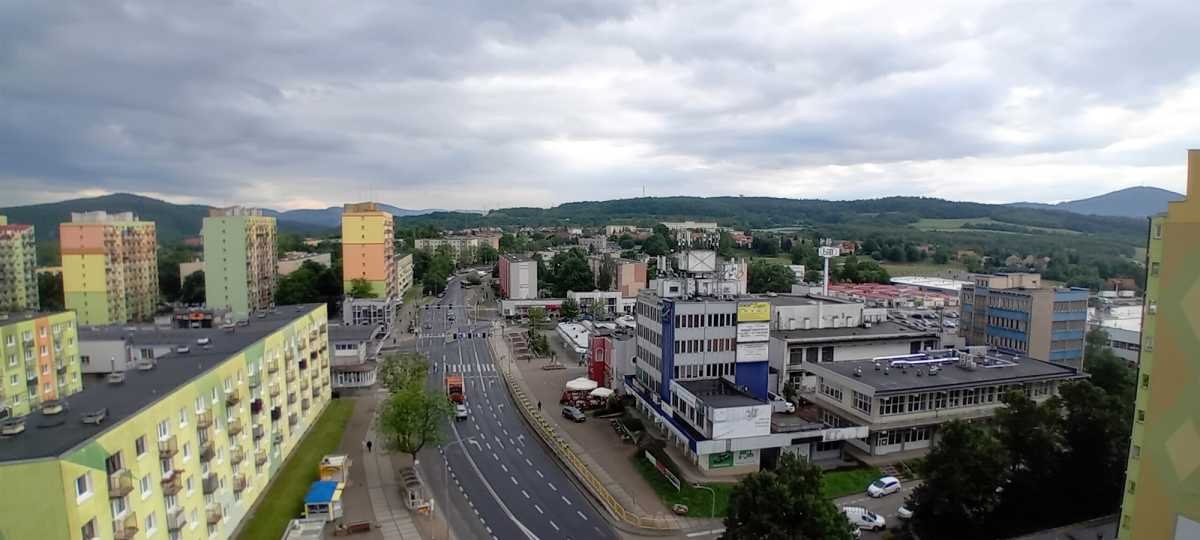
<point>713,513</point>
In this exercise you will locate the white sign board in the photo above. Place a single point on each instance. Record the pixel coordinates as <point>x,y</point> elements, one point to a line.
<point>734,422</point>
<point>754,331</point>
<point>751,352</point>
<point>841,434</point>
<point>828,251</point>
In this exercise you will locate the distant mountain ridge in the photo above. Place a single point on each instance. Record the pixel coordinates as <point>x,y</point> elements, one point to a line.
<point>332,216</point>
<point>1136,202</point>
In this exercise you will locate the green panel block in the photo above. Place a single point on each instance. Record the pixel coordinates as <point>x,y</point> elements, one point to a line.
<point>90,307</point>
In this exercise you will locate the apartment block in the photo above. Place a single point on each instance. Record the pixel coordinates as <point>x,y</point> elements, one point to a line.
<point>404,273</point>
<point>110,267</point>
<point>518,278</point>
<point>368,249</point>
<point>459,245</point>
<point>40,353</point>
<point>18,259</point>
<point>1162,495</point>
<point>1015,313</point>
<point>179,447</point>
<point>239,260</point>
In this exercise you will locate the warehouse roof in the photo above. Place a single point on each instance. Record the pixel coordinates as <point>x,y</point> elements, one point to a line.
<point>886,329</point>
<point>994,368</point>
<point>50,436</point>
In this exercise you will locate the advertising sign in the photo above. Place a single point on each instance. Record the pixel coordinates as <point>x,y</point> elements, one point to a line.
<point>733,422</point>
<point>828,251</point>
<point>755,331</point>
<point>754,312</point>
<point>841,434</point>
<point>751,352</point>
<point>724,460</point>
<point>745,457</point>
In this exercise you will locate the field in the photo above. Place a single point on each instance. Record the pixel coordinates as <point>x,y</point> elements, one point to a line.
<point>956,225</point>
<point>284,499</point>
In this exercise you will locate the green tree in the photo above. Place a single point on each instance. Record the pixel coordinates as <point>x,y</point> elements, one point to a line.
<point>725,245</point>
<point>755,512</point>
<point>1032,439</point>
<point>766,276</point>
<point>486,254</point>
<point>537,318</point>
<point>959,494</point>
<point>767,246</point>
<point>50,292</point>
<point>569,309</point>
<point>1095,432</point>
<point>604,278</point>
<point>399,370</point>
<point>1108,371</point>
<point>626,241</point>
<point>599,310</point>
<point>361,288</point>
<point>570,272</point>
<point>941,256</point>
<point>656,245</point>
<point>412,418</point>
<point>192,291</point>
<point>972,263</point>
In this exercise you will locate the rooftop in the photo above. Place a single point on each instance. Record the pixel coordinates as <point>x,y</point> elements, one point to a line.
<point>719,393</point>
<point>51,436</point>
<point>884,329</point>
<point>798,300</point>
<point>931,282</point>
<point>517,258</point>
<point>361,332</point>
<point>995,367</point>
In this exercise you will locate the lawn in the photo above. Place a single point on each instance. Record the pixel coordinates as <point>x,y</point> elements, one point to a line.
<point>953,225</point>
<point>285,498</point>
<point>842,482</point>
<point>698,501</point>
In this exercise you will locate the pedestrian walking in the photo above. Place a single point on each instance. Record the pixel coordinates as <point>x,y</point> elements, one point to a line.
<point>539,405</point>
<point>368,445</point>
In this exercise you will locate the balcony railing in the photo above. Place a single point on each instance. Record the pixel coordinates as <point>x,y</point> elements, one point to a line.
<point>303,364</point>
<point>260,457</point>
<point>214,514</point>
<point>291,399</point>
<point>305,404</point>
<point>236,455</point>
<point>291,375</point>
<point>293,419</point>
<point>272,366</point>
<point>234,427</point>
<point>120,483</point>
<point>303,384</point>
<point>168,447</point>
<point>204,419</point>
<point>256,406</point>
<point>257,431</point>
<point>316,391</point>
<point>274,390</point>
<point>126,527</point>
<point>176,518</point>
<point>172,484</point>
<point>207,450</point>
<point>240,483</point>
<point>233,396</point>
<point>210,484</point>
<point>255,380</point>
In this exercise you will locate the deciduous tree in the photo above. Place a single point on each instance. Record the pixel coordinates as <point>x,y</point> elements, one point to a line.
<point>960,493</point>
<point>756,511</point>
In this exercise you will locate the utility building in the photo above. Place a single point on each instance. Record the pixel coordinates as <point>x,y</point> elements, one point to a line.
<point>1014,312</point>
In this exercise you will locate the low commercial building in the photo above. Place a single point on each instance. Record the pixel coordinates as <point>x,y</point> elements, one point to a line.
<point>518,277</point>
<point>512,308</point>
<point>1126,344</point>
<point>901,400</point>
<point>1015,313</point>
<point>793,352</point>
<point>370,311</point>
<point>459,244</point>
<point>355,354</point>
<point>614,303</point>
<point>611,355</point>
<point>293,260</point>
<point>180,447</point>
<point>40,355</point>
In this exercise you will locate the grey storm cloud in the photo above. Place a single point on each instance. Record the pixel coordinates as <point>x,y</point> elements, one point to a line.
<point>467,104</point>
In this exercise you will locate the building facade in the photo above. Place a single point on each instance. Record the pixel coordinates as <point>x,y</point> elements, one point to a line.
<point>518,278</point>
<point>1162,495</point>
<point>629,277</point>
<point>40,355</point>
<point>1015,313</point>
<point>404,273</point>
<point>240,260</point>
<point>110,267</point>
<point>18,261</point>
<point>459,245</point>
<point>368,249</point>
<point>181,448</point>
<point>355,355</point>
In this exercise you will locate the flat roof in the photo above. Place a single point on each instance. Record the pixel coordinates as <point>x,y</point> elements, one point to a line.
<point>875,331</point>
<point>719,393</point>
<point>892,380</point>
<point>52,436</point>
<point>931,282</point>
<point>20,317</point>
<point>352,332</point>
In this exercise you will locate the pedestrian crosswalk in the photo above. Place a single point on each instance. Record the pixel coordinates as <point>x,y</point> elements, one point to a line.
<point>469,368</point>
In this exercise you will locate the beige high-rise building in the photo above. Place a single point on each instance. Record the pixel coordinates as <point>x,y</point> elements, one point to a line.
<point>110,267</point>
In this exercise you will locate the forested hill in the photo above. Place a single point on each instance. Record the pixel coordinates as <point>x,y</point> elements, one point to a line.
<point>767,212</point>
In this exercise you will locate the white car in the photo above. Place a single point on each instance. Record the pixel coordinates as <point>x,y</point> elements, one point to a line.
<point>182,349</point>
<point>884,486</point>
<point>864,519</point>
<point>460,412</point>
<point>904,512</point>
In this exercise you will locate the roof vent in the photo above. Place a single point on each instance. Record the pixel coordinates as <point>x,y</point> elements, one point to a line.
<point>53,406</point>
<point>876,366</point>
<point>887,370</point>
<point>95,417</point>
<point>12,426</point>
<point>858,372</point>
<point>116,377</point>
<point>933,370</point>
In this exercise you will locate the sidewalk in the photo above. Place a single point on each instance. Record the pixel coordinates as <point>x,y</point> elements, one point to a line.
<point>605,456</point>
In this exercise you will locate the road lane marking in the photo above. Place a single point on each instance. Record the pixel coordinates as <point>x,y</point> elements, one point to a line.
<point>503,466</point>
<point>526,494</point>
<point>538,508</point>
<point>527,462</point>
<point>564,498</point>
<point>513,478</point>
<point>495,457</point>
<point>581,515</point>
<point>555,526</point>
<point>539,473</point>
<point>551,486</point>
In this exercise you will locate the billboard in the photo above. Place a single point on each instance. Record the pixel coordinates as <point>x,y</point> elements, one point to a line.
<point>733,422</point>
<point>828,251</point>
<point>754,311</point>
<point>755,331</point>
<point>752,352</point>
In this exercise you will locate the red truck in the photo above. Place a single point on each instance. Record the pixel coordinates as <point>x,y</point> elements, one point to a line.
<point>454,388</point>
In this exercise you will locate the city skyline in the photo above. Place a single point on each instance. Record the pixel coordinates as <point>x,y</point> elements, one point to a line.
<point>535,106</point>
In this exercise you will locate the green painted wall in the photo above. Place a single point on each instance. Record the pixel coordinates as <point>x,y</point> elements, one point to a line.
<point>225,263</point>
<point>90,307</point>
<point>36,508</point>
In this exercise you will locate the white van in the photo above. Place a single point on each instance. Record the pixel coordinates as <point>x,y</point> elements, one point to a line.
<point>780,405</point>
<point>864,519</point>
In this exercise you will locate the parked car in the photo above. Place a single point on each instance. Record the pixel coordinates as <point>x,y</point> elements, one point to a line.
<point>904,512</point>
<point>864,519</point>
<point>780,405</point>
<point>460,412</point>
<point>573,414</point>
<point>203,341</point>
<point>182,349</point>
<point>884,486</point>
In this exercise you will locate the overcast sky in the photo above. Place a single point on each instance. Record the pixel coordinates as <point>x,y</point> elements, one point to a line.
<point>457,104</point>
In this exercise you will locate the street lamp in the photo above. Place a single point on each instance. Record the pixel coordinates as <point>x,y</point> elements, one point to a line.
<point>713,513</point>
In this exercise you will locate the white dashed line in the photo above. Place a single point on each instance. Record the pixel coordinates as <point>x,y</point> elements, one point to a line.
<point>503,466</point>
<point>539,473</point>
<point>527,462</point>
<point>581,515</point>
<point>564,498</point>
<point>494,456</point>
<point>526,494</point>
<point>553,525</point>
<point>514,479</point>
<point>551,486</point>
<point>538,508</point>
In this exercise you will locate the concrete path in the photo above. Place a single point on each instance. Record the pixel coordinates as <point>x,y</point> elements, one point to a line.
<point>391,514</point>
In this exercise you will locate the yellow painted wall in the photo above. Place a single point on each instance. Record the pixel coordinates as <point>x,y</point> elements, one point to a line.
<point>364,229</point>
<point>83,273</point>
<point>34,506</point>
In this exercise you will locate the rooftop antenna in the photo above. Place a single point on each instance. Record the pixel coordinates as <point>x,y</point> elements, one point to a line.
<point>827,251</point>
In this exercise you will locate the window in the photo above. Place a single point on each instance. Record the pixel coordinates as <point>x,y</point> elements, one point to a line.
<point>88,530</point>
<point>187,450</point>
<point>151,524</point>
<point>1132,487</point>
<point>1141,416</point>
<point>12,379</point>
<point>12,360</point>
<point>862,402</point>
<point>119,506</point>
<point>188,483</point>
<point>891,405</point>
<point>1158,230</point>
<point>832,391</point>
<point>1135,452</point>
<point>164,429</point>
<point>83,486</point>
<point>1154,268</point>
<point>183,416</point>
<point>145,486</point>
<point>826,354</point>
<point>139,446</point>
<point>1145,381</point>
